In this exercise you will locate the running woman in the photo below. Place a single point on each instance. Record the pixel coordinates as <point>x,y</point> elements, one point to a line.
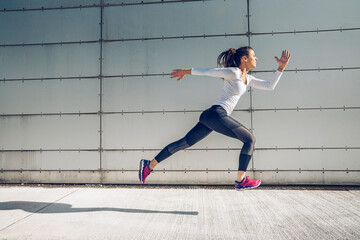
<point>235,65</point>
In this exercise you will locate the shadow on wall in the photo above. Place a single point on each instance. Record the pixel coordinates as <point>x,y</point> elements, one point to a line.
<point>46,207</point>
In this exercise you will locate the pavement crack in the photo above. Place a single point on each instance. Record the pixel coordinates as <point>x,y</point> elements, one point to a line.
<point>38,210</point>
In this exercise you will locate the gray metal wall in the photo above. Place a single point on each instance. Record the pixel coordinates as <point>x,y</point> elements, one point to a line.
<point>85,92</point>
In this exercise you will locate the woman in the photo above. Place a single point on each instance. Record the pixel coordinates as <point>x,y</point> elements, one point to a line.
<point>236,64</point>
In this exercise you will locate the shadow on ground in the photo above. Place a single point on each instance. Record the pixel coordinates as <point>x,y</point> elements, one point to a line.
<point>46,207</point>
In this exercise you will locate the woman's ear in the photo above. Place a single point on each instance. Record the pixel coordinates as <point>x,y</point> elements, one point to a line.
<point>244,58</point>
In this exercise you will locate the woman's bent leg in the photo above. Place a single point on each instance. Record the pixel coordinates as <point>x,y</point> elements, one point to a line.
<point>230,127</point>
<point>197,133</point>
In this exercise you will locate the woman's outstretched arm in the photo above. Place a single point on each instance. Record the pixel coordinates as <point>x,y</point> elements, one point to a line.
<point>271,83</point>
<point>225,73</point>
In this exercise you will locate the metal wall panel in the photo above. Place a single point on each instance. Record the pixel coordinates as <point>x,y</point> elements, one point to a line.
<point>156,130</point>
<point>195,18</point>
<point>58,160</point>
<point>158,56</point>
<point>49,132</point>
<point>159,93</point>
<point>188,160</point>
<point>49,61</point>
<point>79,177</point>
<point>140,133</point>
<point>56,96</point>
<point>310,89</point>
<point>268,16</point>
<point>309,50</point>
<point>20,4</point>
<point>49,26</point>
<point>330,128</point>
<point>328,159</point>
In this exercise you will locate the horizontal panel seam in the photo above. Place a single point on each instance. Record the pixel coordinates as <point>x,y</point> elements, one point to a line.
<point>247,34</point>
<point>184,111</point>
<point>322,148</point>
<point>61,78</point>
<point>105,5</point>
<point>180,170</point>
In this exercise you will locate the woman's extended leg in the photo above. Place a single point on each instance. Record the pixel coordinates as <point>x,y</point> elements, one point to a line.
<point>197,133</point>
<point>193,136</point>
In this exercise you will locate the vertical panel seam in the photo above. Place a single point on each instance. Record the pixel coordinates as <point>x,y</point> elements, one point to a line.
<point>101,80</point>
<point>251,106</point>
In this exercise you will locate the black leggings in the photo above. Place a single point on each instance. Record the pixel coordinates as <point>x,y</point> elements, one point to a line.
<point>214,119</point>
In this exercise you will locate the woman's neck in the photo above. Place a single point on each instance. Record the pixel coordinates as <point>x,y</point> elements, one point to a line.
<point>244,70</point>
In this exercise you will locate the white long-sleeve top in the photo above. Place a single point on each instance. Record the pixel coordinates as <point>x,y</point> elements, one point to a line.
<point>234,87</point>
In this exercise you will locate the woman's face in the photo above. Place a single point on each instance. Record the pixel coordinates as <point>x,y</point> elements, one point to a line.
<point>250,62</point>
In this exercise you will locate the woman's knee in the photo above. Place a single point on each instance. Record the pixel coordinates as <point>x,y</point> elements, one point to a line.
<point>248,138</point>
<point>250,143</point>
<point>253,139</point>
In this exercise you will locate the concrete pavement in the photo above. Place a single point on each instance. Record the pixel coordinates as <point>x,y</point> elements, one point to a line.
<point>80,212</point>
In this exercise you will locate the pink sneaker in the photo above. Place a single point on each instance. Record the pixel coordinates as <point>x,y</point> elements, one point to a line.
<point>144,170</point>
<point>247,183</point>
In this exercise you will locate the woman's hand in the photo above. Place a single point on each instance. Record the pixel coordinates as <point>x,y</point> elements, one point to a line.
<point>179,73</point>
<point>284,60</point>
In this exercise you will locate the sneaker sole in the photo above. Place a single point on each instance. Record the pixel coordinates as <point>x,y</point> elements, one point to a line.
<point>242,189</point>
<point>141,168</point>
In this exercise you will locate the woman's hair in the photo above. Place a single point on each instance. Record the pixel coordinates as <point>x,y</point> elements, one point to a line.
<point>232,57</point>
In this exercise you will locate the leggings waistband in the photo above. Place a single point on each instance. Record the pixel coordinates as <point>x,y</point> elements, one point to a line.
<point>216,107</point>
